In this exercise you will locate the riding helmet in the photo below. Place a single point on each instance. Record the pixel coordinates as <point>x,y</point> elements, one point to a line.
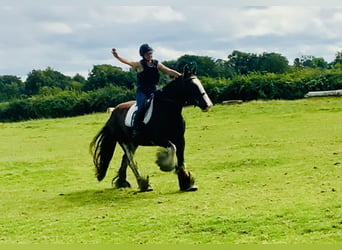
<point>145,48</point>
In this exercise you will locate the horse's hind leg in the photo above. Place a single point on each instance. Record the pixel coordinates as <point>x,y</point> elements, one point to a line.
<point>143,182</point>
<point>120,180</point>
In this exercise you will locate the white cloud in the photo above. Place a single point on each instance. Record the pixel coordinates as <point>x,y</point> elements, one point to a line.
<point>72,36</point>
<point>56,27</point>
<point>275,20</point>
<point>168,53</point>
<point>232,23</point>
<point>135,14</point>
<point>167,14</point>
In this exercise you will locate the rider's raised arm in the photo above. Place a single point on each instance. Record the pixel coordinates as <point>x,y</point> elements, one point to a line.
<point>135,65</point>
<point>168,71</point>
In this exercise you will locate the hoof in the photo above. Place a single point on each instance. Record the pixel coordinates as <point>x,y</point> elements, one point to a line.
<point>190,189</point>
<point>119,183</point>
<point>148,189</point>
<point>144,185</point>
<point>186,180</point>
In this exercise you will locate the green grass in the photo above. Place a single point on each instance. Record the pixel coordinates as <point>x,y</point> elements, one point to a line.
<point>268,172</point>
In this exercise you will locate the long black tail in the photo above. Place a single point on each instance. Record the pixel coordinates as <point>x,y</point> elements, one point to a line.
<point>102,148</point>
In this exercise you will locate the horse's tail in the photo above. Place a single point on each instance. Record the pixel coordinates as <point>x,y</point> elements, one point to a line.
<point>102,148</point>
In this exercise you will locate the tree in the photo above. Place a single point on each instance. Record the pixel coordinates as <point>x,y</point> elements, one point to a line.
<point>223,69</point>
<point>48,77</point>
<point>9,79</point>
<point>11,87</point>
<point>319,62</point>
<point>205,65</point>
<point>79,78</point>
<point>242,62</point>
<point>306,61</point>
<point>107,75</point>
<point>35,80</point>
<point>311,62</point>
<point>297,63</point>
<point>337,63</point>
<point>77,83</point>
<point>273,63</point>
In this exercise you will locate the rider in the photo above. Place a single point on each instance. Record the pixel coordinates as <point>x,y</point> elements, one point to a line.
<point>147,79</point>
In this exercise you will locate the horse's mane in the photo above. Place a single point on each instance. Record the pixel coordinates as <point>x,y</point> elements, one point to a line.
<point>172,90</point>
<point>172,83</point>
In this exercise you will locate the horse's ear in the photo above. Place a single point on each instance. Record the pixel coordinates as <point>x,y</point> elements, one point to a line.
<point>186,71</point>
<point>194,68</point>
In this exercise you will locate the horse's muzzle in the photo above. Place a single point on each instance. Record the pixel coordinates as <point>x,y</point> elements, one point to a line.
<point>206,109</point>
<point>207,103</point>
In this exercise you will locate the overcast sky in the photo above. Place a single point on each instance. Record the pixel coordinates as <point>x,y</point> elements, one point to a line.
<point>72,36</point>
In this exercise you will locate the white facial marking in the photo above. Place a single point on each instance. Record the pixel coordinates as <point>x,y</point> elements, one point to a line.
<point>206,98</point>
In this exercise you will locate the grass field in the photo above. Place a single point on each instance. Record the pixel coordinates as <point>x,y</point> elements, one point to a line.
<point>268,172</point>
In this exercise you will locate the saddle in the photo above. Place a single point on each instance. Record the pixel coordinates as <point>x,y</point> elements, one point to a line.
<point>130,116</point>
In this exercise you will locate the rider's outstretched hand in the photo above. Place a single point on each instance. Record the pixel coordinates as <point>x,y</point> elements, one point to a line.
<point>115,54</point>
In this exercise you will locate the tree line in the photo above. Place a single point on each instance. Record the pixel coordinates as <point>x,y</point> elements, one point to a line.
<point>246,76</point>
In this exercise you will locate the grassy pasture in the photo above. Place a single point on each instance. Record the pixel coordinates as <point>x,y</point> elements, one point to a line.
<point>268,172</point>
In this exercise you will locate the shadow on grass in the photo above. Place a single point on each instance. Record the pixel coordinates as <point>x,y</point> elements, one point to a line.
<point>111,196</point>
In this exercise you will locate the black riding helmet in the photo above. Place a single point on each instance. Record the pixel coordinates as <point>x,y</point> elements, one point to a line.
<point>145,48</point>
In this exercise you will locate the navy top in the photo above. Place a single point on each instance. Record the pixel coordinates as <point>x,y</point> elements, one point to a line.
<point>148,78</point>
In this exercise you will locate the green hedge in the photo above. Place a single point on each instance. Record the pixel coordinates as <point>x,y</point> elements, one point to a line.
<point>64,104</point>
<point>254,86</point>
<point>272,86</point>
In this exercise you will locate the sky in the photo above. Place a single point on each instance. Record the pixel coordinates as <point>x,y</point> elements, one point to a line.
<point>72,36</point>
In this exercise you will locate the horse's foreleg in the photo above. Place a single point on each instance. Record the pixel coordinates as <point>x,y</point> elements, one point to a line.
<point>166,157</point>
<point>186,180</point>
<point>143,182</point>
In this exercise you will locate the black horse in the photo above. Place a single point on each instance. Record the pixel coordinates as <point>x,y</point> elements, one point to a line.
<point>165,129</point>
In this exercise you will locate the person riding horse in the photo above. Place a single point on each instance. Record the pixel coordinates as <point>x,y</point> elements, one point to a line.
<point>147,79</point>
<point>165,129</point>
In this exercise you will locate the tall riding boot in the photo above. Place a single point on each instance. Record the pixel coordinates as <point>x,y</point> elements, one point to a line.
<point>138,124</point>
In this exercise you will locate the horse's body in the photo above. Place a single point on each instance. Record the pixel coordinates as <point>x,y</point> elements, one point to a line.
<point>165,129</point>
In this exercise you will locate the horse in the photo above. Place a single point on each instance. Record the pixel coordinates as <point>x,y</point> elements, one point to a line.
<point>165,129</point>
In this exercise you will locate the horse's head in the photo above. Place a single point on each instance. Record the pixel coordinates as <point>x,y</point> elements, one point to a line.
<point>194,90</point>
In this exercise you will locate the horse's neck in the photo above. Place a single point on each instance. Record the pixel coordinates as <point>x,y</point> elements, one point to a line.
<point>172,94</point>
<point>173,90</point>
